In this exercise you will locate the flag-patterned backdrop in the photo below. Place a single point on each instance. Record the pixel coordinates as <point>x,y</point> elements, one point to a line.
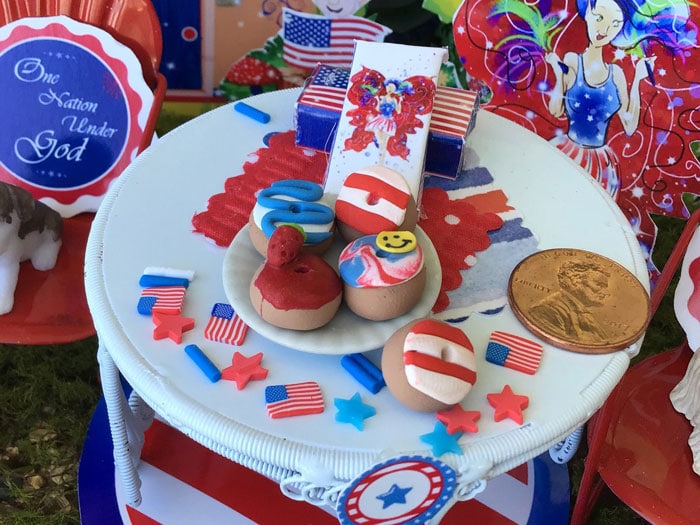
<point>183,481</point>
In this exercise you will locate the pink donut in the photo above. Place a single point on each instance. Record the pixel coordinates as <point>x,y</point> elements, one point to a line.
<point>372,200</point>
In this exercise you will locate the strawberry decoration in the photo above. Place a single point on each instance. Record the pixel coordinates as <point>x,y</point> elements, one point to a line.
<point>253,72</point>
<point>285,245</point>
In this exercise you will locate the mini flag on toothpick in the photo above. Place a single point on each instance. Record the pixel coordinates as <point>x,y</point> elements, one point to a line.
<point>165,299</point>
<point>513,351</point>
<point>224,325</point>
<point>296,399</point>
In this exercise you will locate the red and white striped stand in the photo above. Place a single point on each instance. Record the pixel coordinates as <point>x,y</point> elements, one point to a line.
<point>185,483</point>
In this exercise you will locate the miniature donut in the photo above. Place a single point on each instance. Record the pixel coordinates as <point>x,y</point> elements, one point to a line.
<point>292,201</point>
<point>429,365</point>
<point>294,289</point>
<point>372,200</point>
<point>383,275</point>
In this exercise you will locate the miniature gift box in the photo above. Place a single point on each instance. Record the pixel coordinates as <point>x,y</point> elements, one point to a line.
<point>319,105</point>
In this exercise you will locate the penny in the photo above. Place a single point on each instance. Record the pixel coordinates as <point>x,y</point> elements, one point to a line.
<point>579,300</point>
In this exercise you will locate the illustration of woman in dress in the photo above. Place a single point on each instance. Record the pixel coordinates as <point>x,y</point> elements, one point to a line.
<point>388,105</point>
<point>589,88</point>
<point>591,91</point>
<point>603,80</point>
<point>386,111</point>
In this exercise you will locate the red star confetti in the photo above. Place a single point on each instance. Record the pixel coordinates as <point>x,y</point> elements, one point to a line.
<point>244,369</point>
<point>171,325</point>
<point>508,404</point>
<point>456,419</point>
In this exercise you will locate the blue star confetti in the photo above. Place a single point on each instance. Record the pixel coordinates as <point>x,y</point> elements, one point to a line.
<point>353,411</point>
<point>441,441</point>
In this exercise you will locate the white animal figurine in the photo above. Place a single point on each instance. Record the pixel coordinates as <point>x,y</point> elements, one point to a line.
<point>29,229</point>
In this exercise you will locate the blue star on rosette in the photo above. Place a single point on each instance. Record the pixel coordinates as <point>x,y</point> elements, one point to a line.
<point>410,490</point>
<point>395,495</point>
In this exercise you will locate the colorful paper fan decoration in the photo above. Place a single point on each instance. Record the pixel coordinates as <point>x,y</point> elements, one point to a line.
<point>407,489</point>
<point>78,105</point>
<point>623,106</point>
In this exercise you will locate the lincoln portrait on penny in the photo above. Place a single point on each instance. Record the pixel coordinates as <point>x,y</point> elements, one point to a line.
<point>569,313</point>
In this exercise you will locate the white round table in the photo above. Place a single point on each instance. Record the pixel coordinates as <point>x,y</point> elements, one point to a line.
<point>145,220</point>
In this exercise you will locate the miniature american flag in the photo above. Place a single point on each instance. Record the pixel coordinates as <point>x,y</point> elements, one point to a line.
<point>452,111</point>
<point>224,326</point>
<point>310,39</point>
<point>453,108</point>
<point>165,299</point>
<point>326,88</point>
<point>513,351</point>
<point>295,399</point>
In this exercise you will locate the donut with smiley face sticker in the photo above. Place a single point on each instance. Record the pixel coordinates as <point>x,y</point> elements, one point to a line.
<point>384,275</point>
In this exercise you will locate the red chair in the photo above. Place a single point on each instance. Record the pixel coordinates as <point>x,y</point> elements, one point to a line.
<point>50,307</point>
<point>638,443</point>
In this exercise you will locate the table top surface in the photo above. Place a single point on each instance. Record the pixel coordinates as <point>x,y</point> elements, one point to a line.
<point>145,220</point>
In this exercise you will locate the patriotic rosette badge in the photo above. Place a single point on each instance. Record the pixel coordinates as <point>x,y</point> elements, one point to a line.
<point>78,105</point>
<point>407,490</point>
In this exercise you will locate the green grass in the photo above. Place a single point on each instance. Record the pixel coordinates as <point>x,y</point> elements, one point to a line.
<point>48,394</point>
<point>47,397</point>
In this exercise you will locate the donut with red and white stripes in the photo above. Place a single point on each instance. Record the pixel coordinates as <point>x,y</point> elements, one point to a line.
<point>372,200</point>
<point>429,365</point>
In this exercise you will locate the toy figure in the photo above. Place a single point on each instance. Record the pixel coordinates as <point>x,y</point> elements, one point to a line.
<point>29,229</point>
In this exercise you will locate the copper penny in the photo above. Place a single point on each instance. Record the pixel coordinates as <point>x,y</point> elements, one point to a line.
<point>579,300</point>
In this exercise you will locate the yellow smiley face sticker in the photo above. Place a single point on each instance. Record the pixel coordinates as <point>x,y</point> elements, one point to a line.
<point>396,241</point>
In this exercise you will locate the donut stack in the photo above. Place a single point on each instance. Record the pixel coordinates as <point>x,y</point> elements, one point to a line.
<point>381,269</point>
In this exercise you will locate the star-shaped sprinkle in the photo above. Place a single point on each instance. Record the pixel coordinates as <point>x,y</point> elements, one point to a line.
<point>244,369</point>
<point>508,404</point>
<point>394,495</point>
<point>353,411</point>
<point>441,441</point>
<point>457,419</point>
<point>171,325</point>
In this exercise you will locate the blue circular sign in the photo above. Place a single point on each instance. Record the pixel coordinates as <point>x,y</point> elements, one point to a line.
<point>66,116</point>
<point>408,489</point>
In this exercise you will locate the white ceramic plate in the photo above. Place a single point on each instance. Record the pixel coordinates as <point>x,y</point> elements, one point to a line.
<point>346,333</point>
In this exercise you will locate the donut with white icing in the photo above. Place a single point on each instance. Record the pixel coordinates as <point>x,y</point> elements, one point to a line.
<point>429,365</point>
<point>292,201</point>
<point>372,200</point>
<point>294,289</point>
<point>383,275</point>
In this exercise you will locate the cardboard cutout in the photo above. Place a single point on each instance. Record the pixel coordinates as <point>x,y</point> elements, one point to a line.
<point>614,84</point>
<point>303,40</point>
<point>78,105</point>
